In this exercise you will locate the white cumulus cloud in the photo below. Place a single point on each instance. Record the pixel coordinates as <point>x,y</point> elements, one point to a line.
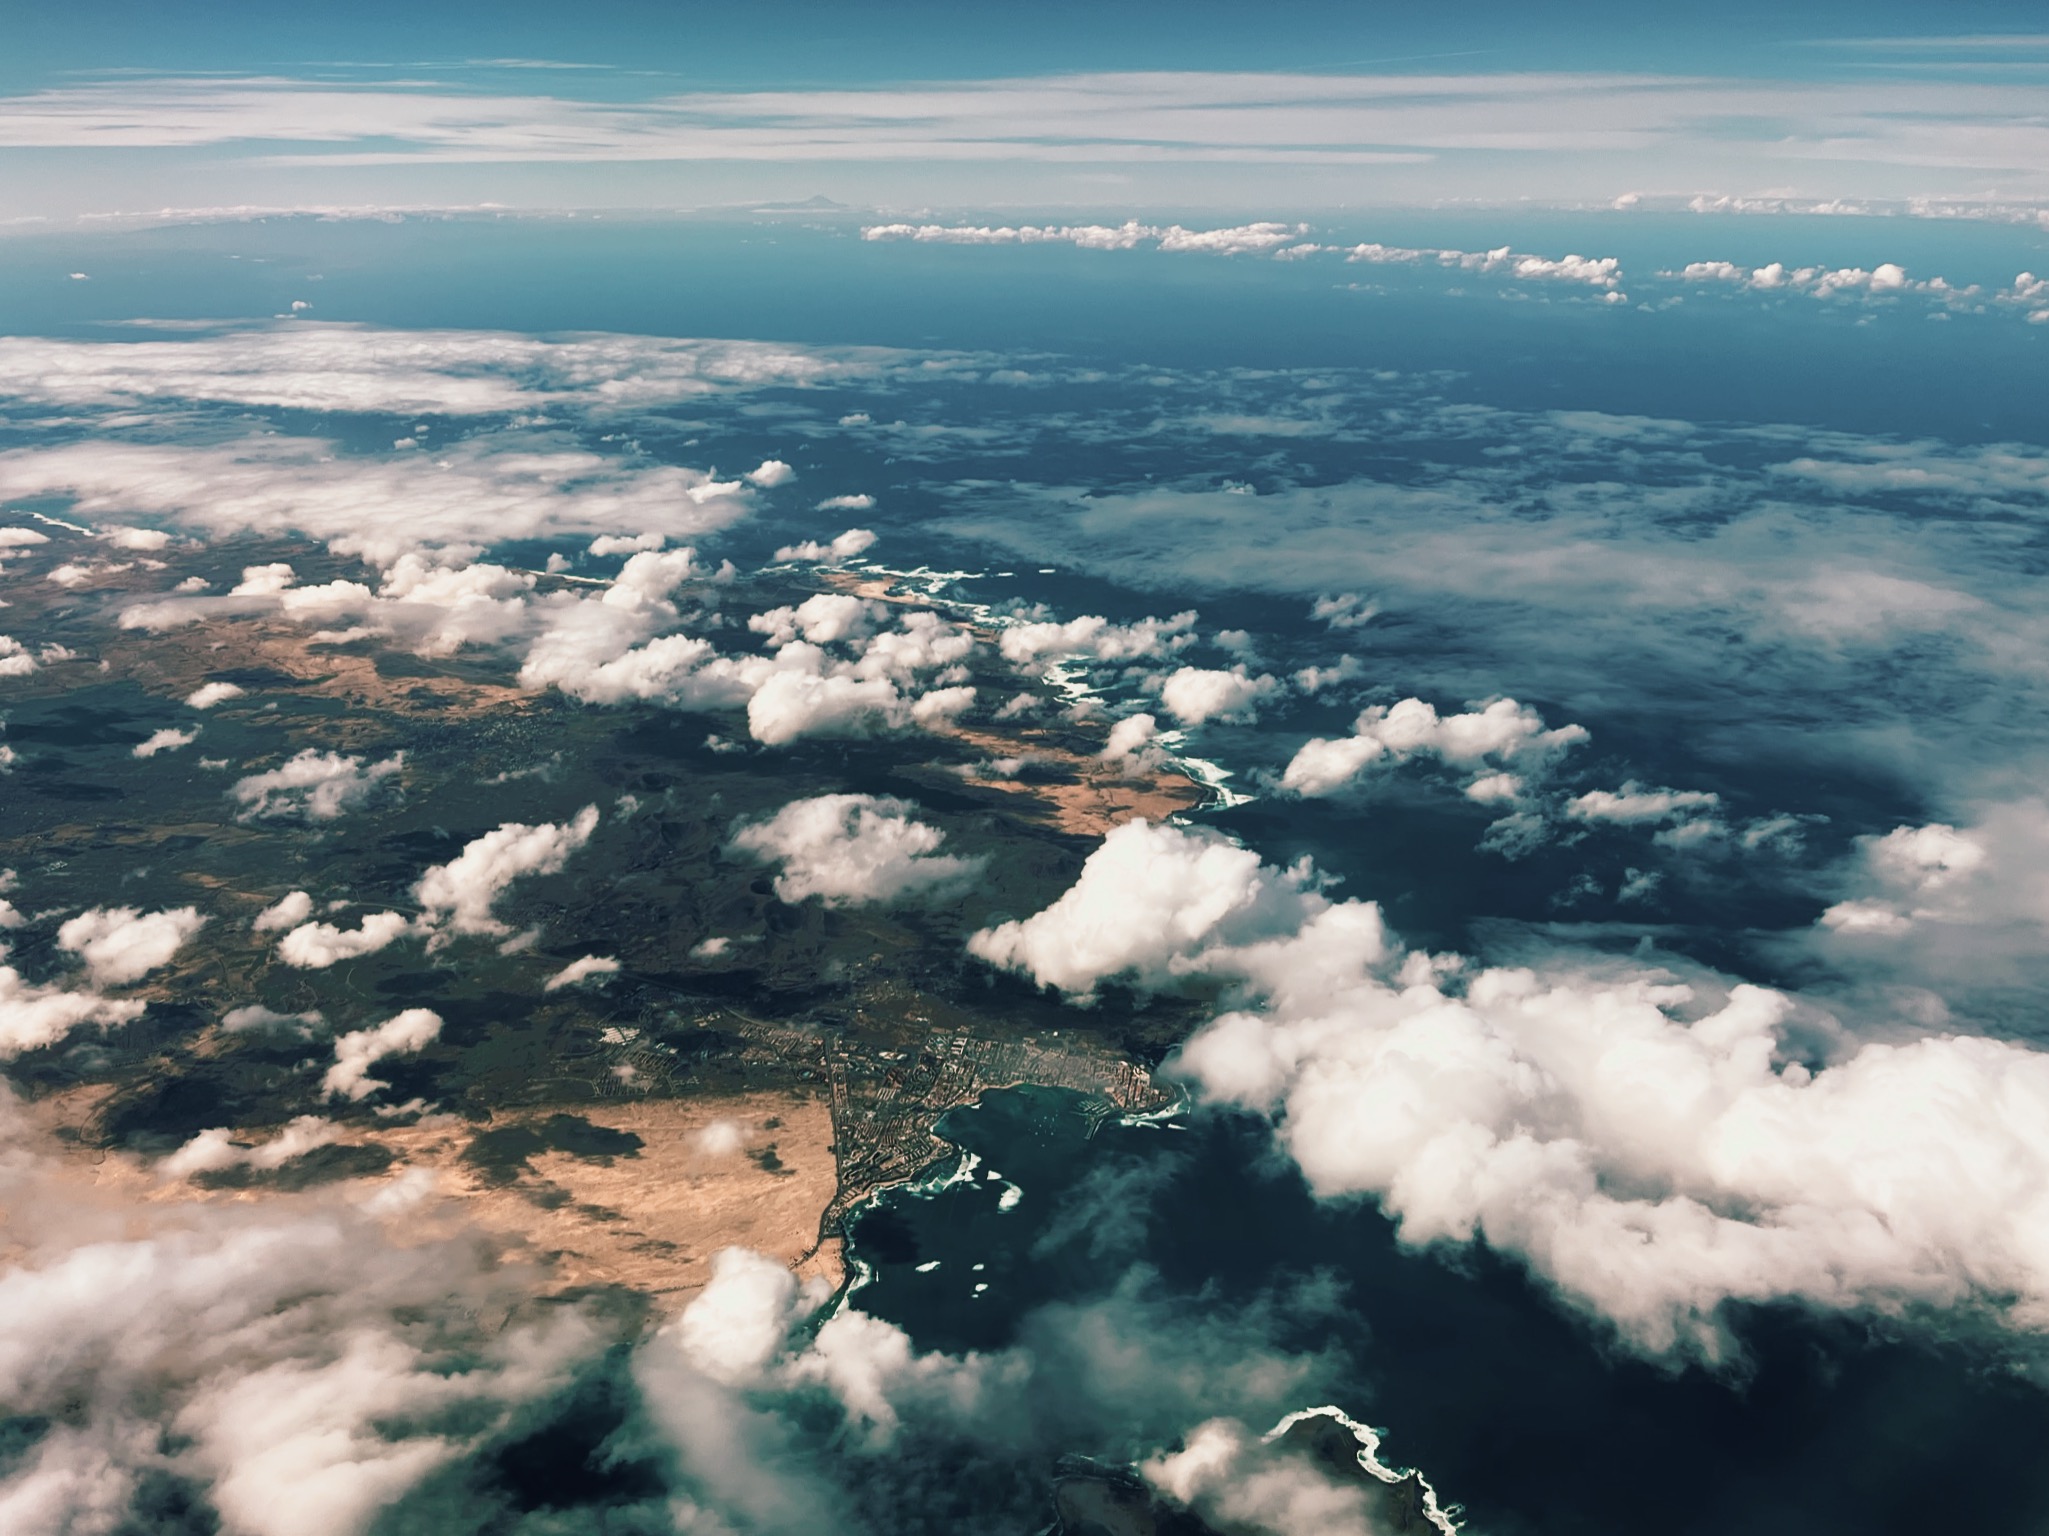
<point>1095,637</point>
<point>312,785</point>
<point>1232,240</point>
<point>581,970</point>
<point>1155,904</point>
<point>33,1016</point>
<point>1131,741</point>
<point>212,1151</point>
<point>403,1034</point>
<point>624,544</point>
<point>1634,804</point>
<point>852,849</point>
<point>830,674</point>
<point>1500,732</point>
<point>288,911</point>
<point>842,548</point>
<point>166,740</point>
<point>462,891</point>
<point>1237,1482</point>
<point>316,946</point>
<point>207,695</point>
<point>1195,695</point>
<point>16,659</point>
<point>123,944</point>
<point>1966,902</point>
<point>1652,1147</point>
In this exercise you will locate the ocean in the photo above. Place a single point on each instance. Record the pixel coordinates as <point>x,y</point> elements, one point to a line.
<point>1513,1407</point>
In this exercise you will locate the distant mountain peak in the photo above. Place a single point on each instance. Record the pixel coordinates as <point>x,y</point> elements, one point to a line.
<point>817,204</point>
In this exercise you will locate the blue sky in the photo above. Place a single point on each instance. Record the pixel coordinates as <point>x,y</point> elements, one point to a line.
<point>786,42</point>
<point>117,107</point>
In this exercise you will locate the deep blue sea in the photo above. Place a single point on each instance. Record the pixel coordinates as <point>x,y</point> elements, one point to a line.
<point>820,283</point>
<point>1509,1404</point>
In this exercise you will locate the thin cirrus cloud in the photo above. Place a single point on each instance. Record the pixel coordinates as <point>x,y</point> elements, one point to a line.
<point>1646,122</point>
<point>1975,42</point>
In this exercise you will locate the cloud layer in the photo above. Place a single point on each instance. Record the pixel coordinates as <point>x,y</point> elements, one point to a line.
<point>254,1359</point>
<point>1570,135</point>
<point>1655,1148</point>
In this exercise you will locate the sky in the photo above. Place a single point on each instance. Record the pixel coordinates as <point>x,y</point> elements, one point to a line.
<point>109,108</point>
